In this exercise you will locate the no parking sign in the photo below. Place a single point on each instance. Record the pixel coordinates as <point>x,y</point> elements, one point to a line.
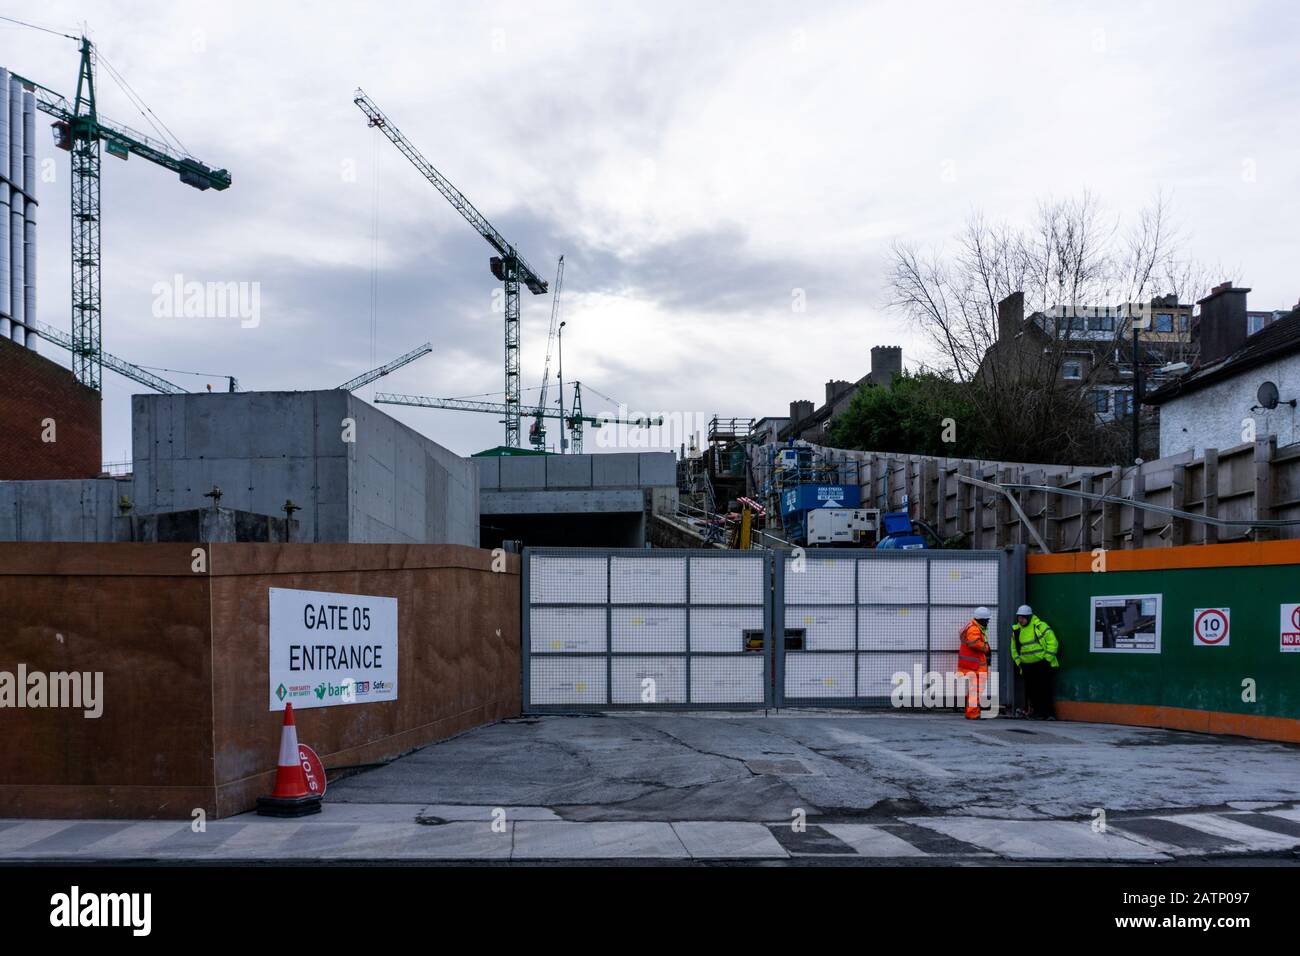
<point>1290,628</point>
<point>1210,626</point>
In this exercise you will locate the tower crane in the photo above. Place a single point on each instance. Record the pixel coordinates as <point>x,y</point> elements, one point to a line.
<point>365,378</point>
<point>575,420</point>
<point>537,431</point>
<point>507,265</point>
<point>79,129</point>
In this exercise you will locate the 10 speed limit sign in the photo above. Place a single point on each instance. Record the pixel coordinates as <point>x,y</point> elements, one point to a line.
<point>1210,627</point>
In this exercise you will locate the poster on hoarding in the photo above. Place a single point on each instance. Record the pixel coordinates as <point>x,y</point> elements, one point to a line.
<point>1125,624</point>
<point>330,649</point>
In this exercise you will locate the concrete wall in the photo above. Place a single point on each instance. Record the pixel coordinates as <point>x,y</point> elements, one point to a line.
<point>562,472</point>
<point>1211,417</point>
<point>388,484</point>
<point>404,487</point>
<point>528,498</point>
<point>60,510</point>
<point>184,658</point>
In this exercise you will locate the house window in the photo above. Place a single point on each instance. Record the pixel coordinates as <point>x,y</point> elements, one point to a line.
<point>1183,319</point>
<point>1254,323</point>
<point>1123,403</point>
<point>1164,322</point>
<point>1072,370</point>
<point>1100,401</point>
<point>1101,323</point>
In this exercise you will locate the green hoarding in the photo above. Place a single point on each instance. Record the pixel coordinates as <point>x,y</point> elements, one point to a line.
<point>1212,677</point>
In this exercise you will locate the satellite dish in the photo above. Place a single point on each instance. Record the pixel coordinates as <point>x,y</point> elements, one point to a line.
<point>1267,395</point>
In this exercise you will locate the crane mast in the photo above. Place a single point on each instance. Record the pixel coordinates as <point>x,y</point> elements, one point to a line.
<point>79,129</point>
<point>507,265</point>
<point>537,432</point>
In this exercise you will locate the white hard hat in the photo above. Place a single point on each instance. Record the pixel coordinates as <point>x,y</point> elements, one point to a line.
<point>1026,610</point>
<point>982,613</point>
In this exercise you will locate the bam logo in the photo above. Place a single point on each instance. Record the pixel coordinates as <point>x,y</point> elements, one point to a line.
<point>325,689</point>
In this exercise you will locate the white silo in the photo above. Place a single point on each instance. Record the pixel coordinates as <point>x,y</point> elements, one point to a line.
<point>17,204</point>
<point>5,263</point>
<point>29,217</point>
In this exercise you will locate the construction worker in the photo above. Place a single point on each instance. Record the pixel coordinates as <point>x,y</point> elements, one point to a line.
<point>973,659</point>
<point>1033,648</point>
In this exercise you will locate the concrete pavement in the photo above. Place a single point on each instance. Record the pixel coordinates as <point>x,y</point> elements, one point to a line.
<point>790,787</point>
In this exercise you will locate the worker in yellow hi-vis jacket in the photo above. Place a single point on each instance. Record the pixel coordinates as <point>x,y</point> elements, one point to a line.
<point>1033,649</point>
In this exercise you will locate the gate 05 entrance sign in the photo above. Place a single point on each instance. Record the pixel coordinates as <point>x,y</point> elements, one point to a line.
<point>330,649</point>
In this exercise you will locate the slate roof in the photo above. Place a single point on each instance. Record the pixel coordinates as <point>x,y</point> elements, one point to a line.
<point>1274,341</point>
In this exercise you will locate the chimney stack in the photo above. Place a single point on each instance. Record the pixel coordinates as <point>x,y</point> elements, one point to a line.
<point>835,388</point>
<point>1221,328</point>
<point>886,362</point>
<point>800,410</point>
<point>1011,316</point>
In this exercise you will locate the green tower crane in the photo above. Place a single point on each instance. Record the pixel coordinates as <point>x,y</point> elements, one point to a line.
<point>79,129</point>
<point>507,265</point>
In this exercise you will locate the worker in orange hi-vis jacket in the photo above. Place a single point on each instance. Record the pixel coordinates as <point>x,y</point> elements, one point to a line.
<point>973,659</point>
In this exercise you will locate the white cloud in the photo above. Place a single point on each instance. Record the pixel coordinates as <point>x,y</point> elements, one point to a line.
<point>696,162</point>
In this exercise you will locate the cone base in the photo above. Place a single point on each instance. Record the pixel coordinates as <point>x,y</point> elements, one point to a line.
<point>288,806</point>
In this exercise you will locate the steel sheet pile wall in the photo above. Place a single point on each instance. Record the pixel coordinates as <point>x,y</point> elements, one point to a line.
<point>1247,683</point>
<point>1248,482</point>
<point>17,212</point>
<point>854,619</point>
<point>644,629</point>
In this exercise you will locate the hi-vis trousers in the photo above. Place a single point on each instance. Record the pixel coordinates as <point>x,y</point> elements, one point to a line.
<point>976,686</point>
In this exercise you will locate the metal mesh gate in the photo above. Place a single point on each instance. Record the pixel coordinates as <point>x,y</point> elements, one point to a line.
<point>693,629</point>
<point>853,619</point>
<point>646,629</point>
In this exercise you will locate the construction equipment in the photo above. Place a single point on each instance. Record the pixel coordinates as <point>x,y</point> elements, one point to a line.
<point>507,265</point>
<point>905,533</point>
<point>122,367</point>
<point>856,527</point>
<point>365,378</point>
<point>574,420</point>
<point>79,129</point>
<point>537,431</point>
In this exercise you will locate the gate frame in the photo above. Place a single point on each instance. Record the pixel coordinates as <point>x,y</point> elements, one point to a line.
<point>1011,593</point>
<point>766,616</point>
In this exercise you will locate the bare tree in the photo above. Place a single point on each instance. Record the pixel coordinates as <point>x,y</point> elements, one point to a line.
<point>1083,276</point>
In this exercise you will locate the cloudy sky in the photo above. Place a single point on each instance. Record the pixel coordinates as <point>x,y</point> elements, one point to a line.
<point>701,166</point>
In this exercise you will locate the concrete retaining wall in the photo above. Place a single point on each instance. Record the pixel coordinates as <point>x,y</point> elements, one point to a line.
<point>359,475</point>
<point>184,657</point>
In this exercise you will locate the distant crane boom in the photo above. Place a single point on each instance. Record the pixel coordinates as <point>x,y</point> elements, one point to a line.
<point>499,408</point>
<point>365,378</point>
<point>507,265</point>
<point>122,367</point>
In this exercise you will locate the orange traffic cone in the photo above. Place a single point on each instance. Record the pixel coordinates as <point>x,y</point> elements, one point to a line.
<point>290,797</point>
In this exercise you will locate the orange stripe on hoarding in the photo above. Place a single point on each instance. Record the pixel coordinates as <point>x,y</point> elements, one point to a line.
<point>1159,559</point>
<point>1284,729</point>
